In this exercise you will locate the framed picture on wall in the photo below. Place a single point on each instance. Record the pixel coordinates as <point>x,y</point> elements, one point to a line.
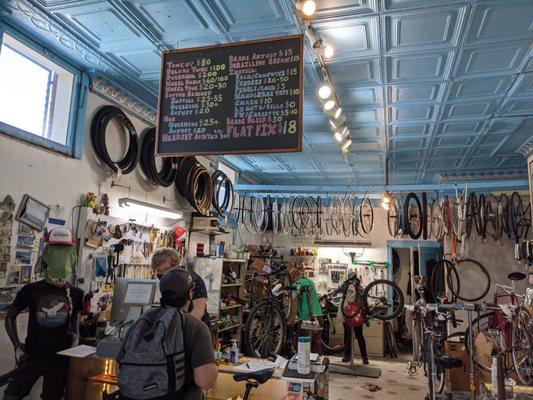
<point>33,213</point>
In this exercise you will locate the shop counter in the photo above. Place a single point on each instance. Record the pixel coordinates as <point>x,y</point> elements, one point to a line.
<point>89,377</point>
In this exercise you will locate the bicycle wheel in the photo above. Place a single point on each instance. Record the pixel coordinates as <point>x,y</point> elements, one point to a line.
<point>471,213</point>
<point>503,214</point>
<point>347,217</point>
<point>486,324</point>
<point>265,330</point>
<point>521,340</point>
<point>468,270</point>
<point>413,216</point>
<point>493,227</point>
<point>383,299</point>
<point>517,217</point>
<point>481,217</point>
<point>437,221</point>
<point>366,216</point>
<point>393,218</point>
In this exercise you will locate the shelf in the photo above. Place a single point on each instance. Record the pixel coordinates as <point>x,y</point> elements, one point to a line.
<point>231,284</point>
<point>229,328</point>
<point>209,232</point>
<point>233,307</point>
<point>236,260</point>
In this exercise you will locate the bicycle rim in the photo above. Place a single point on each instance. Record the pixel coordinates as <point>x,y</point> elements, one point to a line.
<point>521,341</point>
<point>383,299</point>
<point>265,330</point>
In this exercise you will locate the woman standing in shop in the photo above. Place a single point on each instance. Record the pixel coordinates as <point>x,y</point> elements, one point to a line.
<point>353,320</point>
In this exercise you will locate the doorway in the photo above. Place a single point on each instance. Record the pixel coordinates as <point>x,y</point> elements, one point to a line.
<point>409,259</point>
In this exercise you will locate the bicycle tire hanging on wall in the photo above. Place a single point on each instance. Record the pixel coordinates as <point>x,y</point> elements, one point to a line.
<point>147,160</point>
<point>99,124</point>
<point>193,182</point>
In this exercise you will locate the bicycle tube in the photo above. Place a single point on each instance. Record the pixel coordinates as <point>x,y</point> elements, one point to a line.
<point>484,272</point>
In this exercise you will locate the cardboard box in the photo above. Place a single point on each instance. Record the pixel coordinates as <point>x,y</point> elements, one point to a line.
<point>459,377</point>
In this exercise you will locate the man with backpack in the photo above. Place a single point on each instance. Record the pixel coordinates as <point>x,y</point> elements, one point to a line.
<point>167,354</point>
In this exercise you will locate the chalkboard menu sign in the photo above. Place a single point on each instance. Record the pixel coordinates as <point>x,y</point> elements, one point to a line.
<point>234,98</point>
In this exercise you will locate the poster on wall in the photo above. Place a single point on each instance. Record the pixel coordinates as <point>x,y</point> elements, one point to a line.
<point>235,98</point>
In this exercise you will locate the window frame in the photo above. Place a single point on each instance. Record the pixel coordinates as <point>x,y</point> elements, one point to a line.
<point>78,101</point>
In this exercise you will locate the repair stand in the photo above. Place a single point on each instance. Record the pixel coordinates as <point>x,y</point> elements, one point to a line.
<point>355,370</point>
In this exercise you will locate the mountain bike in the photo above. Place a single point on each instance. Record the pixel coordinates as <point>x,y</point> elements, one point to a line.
<point>266,330</point>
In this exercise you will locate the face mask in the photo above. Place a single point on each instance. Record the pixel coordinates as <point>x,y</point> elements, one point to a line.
<point>59,262</point>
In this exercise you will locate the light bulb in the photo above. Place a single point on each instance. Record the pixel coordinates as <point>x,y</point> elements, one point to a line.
<point>328,51</point>
<point>338,112</point>
<point>328,105</point>
<point>309,7</point>
<point>347,144</point>
<point>324,92</point>
<point>332,124</point>
<point>338,136</point>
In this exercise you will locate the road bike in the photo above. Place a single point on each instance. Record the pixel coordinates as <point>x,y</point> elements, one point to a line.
<point>509,327</point>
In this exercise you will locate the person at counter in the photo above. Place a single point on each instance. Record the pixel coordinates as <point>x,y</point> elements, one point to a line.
<point>199,368</point>
<point>164,260</point>
<point>54,306</point>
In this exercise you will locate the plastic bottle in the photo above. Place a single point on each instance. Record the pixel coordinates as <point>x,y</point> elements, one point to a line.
<point>304,355</point>
<point>494,376</point>
<point>234,352</point>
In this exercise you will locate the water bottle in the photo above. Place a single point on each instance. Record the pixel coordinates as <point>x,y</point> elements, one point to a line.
<point>234,352</point>
<point>304,355</point>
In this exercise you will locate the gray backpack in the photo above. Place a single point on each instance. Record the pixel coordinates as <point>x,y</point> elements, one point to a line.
<point>152,357</point>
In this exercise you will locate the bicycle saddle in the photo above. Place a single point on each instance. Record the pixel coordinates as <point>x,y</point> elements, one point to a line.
<point>449,362</point>
<point>259,376</point>
<point>516,276</point>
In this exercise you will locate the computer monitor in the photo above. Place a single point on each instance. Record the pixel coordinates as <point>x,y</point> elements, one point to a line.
<point>131,296</point>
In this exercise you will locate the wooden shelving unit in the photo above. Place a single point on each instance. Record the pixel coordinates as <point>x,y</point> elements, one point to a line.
<point>235,311</point>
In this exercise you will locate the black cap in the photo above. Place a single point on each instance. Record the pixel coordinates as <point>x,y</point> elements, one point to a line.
<point>175,283</point>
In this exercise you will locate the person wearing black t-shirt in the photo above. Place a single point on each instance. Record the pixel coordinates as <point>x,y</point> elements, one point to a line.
<point>54,306</point>
<point>164,260</point>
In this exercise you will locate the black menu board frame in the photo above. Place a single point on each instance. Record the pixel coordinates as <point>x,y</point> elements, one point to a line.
<point>209,147</point>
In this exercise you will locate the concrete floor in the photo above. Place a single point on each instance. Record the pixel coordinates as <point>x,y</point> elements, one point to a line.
<point>394,382</point>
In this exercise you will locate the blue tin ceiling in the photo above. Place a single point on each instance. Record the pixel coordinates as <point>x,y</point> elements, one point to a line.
<point>440,88</point>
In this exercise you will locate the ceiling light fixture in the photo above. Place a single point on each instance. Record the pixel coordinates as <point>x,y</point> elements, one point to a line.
<point>346,145</point>
<point>337,113</point>
<point>328,51</point>
<point>340,135</point>
<point>328,105</point>
<point>332,124</point>
<point>386,200</point>
<point>307,7</point>
<point>324,92</point>
<point>147,208</point>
